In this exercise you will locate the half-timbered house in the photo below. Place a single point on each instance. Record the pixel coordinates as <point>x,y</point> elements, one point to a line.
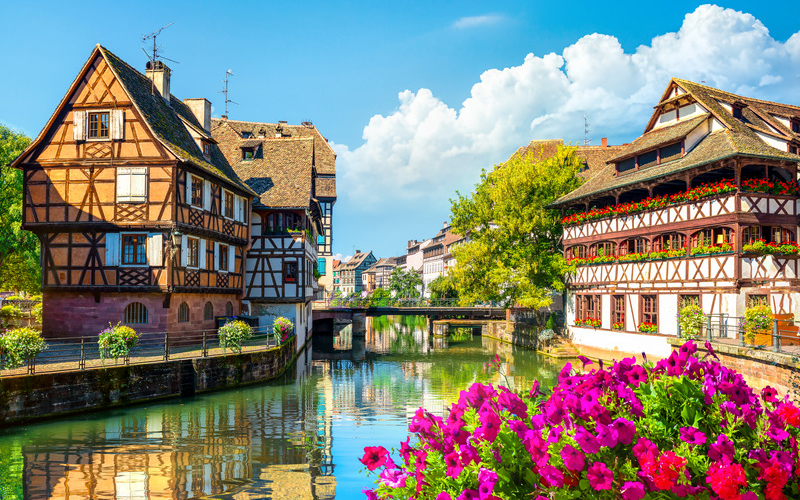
<point>682,215</point>
<point>350,273</point>
<point>140,217</point>
<point>287,219</point>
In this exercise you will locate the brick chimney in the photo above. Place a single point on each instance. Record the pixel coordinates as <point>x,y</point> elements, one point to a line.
<point>201,108</point>
<point>160,77</point>
<point>605,142</point>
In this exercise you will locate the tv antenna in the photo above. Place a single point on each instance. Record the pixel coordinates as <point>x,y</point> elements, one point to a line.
<point>586,129</point>
<point>228,74</point>
<point>154,56</point>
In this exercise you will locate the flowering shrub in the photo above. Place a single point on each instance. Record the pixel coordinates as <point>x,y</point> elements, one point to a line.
<point>687,427</point>
<point>757,319</point>
<point>766,186</point>
<point>618,326</point>
<point>36,312</point>
<point>762,247</point>
<point>20,345</point>
<point>117,341</point>
<point>10,315</point>
<point>648,327</point>
<point>233,333</point>
<point>591,322</point>
<point>703,191</point>
<point>712,249</point>
<point>283,327</point>
<point>691,320</point>
<point>545,336</point>
<point>631,257</point>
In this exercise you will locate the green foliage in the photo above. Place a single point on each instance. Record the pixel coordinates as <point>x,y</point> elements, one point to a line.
<point>443,287</point>
<point>19,250</point>
<point>380,297</point>
<point>10,315</point>
<point>116,341</point>
<point>513,254</point>
<point>20,345</point>
<point>405,284</point>
<point>551,322</point>
<point>36,312</point>
<point>233,333</point>
<point>691,321</point>
<point>757,319</point>
<point>283,327</point>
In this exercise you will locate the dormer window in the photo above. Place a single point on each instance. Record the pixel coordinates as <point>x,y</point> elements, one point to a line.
<point>737,110</point>
<point>248,154</point>
<point>98,125</point>
<point>795,125</point>
<point>247,135</point>
<point>207,149</point>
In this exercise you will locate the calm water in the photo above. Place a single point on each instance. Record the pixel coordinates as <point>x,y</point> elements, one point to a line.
<point>299,437</point>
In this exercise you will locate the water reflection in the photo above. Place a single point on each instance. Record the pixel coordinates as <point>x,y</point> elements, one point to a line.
<point>299,437</point>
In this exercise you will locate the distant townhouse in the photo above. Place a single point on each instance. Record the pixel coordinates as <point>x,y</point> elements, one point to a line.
<point>141,218</point>
<point>350,273</point>
<point>336,278</point>
<point>377,276</point>
<point>437,256</point>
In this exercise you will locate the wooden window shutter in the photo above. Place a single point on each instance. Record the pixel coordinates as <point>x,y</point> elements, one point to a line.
<point>184,251</point>
<point>188,199</point>
<point>79,125</point>
<point>117,124</point>
<point>203,258</point>
<point>221,201</point>
<point>155,249</point>
<point>112,249</point>
<point>138,184</point>
<point>123,184</point>
<point>237,208</point>
<point>206,195</point>
<point>215,264</point>
<point>231,258</point>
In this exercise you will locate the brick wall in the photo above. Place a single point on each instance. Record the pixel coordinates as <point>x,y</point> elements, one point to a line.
<point>27,397</point>
<point>75,314</point>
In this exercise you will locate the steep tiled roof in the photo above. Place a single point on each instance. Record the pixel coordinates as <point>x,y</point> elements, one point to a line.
<point>594,156</point>
<point>326,187</point>
<point>324,158</point>
<point>739,138</point>
<point>165,121</point>
<point>355,261</point>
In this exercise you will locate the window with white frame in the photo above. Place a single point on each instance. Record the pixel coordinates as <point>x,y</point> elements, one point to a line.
<point>227,205</point>
<point>131,184</point>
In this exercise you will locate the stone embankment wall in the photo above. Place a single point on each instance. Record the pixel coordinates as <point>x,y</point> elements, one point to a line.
<point>514,333</point>
<point>27,397</point>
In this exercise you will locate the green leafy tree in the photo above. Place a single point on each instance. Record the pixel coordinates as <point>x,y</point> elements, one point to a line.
<point>512,255</point>
<point>443,287</point>
<point>19,250</point>
<point>406,284</point>
<point>380,297</point>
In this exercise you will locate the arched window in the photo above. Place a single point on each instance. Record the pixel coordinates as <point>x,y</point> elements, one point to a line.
<point>228,309</point>
<point>135,313</point>
<point>633,245</point>
<point>208,312</point>
<point>712,236</point>
<point>602,249</point>
<point>669,242</point>
<point>183,313</point>
<point>576,252</point>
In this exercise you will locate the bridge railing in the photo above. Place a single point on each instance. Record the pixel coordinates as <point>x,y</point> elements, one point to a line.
<point>358,303</point>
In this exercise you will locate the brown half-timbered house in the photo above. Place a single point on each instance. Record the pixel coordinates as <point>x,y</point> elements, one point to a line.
<point>287,219</point>
<point>141,219</point>
<point>638,266</point>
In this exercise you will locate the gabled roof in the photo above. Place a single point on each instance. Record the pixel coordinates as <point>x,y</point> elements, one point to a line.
<point>355,261</point>
<point>595,157</point>
<point>738,137</point>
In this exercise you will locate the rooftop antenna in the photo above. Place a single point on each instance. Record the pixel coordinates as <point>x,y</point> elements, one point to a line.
<point>586,129</point>
<point>154,56</point>
<point>228,73</point>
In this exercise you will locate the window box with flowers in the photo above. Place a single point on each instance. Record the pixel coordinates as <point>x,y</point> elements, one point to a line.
<point>590,322</point>
<point>618,326</point>
<point>757,325</point>
<point>760,247</point>
<point>646,327</point>
<point>779,188</point>
<point>704,250</point>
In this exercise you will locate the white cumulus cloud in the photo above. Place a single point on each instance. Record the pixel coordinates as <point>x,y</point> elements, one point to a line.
<point>425,149</point>
<point>476,21</point>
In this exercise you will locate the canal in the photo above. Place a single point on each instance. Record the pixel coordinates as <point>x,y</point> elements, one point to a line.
<point>297,437</point>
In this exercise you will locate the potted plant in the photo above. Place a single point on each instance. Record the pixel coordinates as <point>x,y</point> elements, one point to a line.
<point>21,345</point>
<point>757,325</point>
<point>233,333</point>
<point>618,326</point>
<point>283,327</point>
<point>691,321</point>
<point>646,327</point>
<point>116,342</point>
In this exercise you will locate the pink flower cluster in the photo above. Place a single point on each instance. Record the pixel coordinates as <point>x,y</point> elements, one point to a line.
<point>686,427</point>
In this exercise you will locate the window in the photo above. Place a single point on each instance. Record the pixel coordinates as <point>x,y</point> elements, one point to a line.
<point>228,309</point>
<point>206,148</point>
<point>626,165</point>
<point>710,237</point>
<point>193,252</point>
<point>183,313</point>
<point>751,234</point>
<point>247,135</point>
<point>737,110</point>
<point>672,241</point>
<point>98,125</point>
<point>131,185</point>
<point>648,159</point>
<point>633,245</point>
<point>605,248</point>
<point>757,300</point>
<point>688,300</point>
<point>593,306</point>
<point>671,152</point>
<point>197,191</point>
<point>650,309</point>
<point>228,205</point>
<point>618,310</point>
<point>134,249</point>
<point>781,235</point>
<point>321,266</point>
<point>135,314</point>
<point>577,252</point>
<point>248,154</point>
<point>290,272</point>
<point>208,311</point>
<point>796,125</point>
<point>223,258</point>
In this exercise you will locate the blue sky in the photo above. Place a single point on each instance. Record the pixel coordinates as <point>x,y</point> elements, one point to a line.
<point>415,97</point>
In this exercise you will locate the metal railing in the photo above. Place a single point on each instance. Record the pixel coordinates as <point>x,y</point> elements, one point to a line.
<point>25,305</point>
<point>780,336</point>
<point>80,353</point>
<point>394,302</point>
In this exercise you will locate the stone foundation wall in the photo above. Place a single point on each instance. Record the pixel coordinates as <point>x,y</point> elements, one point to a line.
<point>513,333</point>
<point>27,397</point>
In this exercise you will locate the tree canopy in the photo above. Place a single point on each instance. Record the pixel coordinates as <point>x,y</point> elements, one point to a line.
<point>19,250</point>
<point>512,254</point>
<point>405,284</point>
<point>443,287</point>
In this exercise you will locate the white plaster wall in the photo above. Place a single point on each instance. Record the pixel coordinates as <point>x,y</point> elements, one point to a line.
<point>632,312</point>
<point>569,310</point>
<point>696,135</point>
<point>668,314</point>
<point>772,141</point>
<point>605,310</point>
<point>621,341</point>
